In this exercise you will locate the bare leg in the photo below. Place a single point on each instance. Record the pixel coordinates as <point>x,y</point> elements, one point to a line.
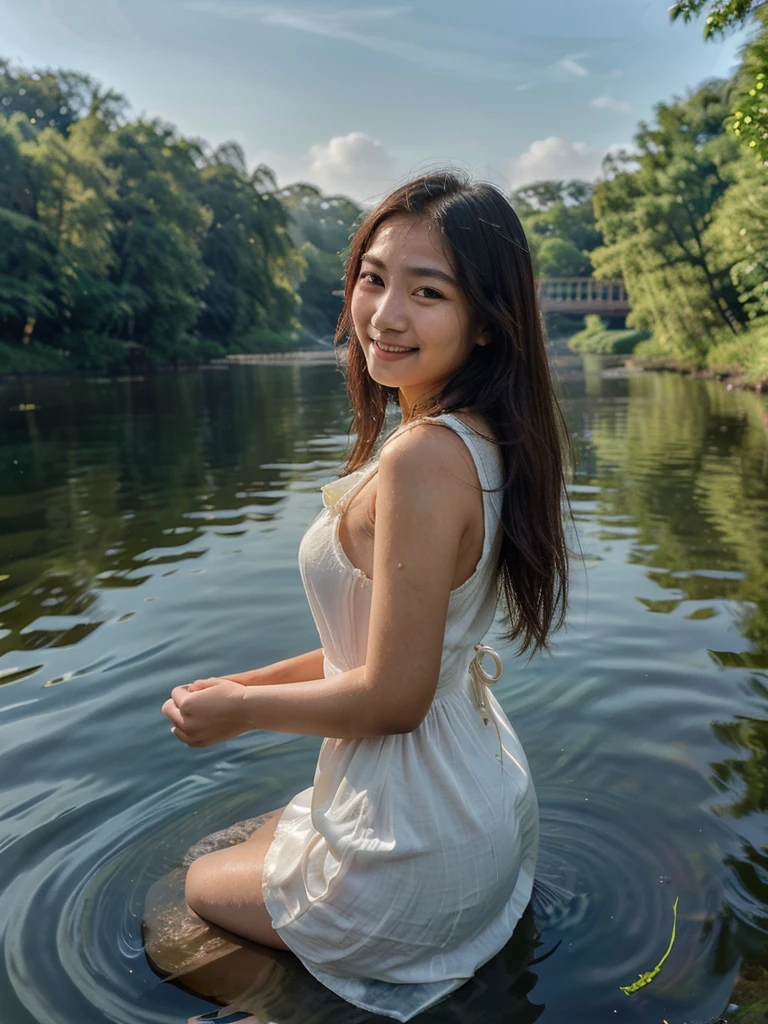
<point>224,887</point>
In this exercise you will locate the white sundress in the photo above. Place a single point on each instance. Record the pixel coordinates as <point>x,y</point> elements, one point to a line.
<point>409,861</point>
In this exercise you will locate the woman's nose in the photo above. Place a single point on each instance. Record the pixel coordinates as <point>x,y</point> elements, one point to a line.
<point>389,314</point>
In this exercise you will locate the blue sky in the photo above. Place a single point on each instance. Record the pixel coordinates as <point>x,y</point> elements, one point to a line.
<point>357,96</point>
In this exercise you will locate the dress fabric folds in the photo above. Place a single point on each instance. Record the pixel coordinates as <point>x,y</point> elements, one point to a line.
<point>409,861</point>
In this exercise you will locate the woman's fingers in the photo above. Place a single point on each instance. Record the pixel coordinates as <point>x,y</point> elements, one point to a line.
<point>174,715</point>
<point>179,694</point>
<point>204,712</point>
<point>205,684</point>
<point>171,712</point>
<point>185,738</point>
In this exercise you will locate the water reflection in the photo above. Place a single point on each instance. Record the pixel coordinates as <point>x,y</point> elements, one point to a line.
<point>111,480</point>
<point>687,463</point>
<point>149,536</point>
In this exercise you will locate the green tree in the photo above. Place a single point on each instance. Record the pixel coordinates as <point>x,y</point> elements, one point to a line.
<point>559,221</point>
<point>560,257</point>
<point>654,210</point>
<point>252,261</point>
<point>749,117</point>
<point>320,299</point>
<point>73,203</point>
<point>117,234</point>
<point>328,222</point>
<point>157,228</point>
<point>27,253</point>
<point>322,226</point>
<point>56,99</point>
<point>739,232</point>
<point>750,99</point>
<point>722,14</point>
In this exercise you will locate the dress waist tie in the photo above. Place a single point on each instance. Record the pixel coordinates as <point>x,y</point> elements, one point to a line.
<point>481,679</point>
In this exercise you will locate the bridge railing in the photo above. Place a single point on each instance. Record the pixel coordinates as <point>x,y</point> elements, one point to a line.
<point>582,289</point>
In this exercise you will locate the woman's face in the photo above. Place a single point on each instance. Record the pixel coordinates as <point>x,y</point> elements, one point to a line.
<point>410,316</point>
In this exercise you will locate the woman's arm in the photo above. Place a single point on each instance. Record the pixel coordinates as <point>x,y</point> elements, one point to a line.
<point>426,497</point>
<point>290,670</point>
<point>425,501</point>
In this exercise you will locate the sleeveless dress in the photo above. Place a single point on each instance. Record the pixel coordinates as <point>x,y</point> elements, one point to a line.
<point>409,861</point>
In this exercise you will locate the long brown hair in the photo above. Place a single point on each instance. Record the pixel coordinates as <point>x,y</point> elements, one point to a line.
<point>507,381</point>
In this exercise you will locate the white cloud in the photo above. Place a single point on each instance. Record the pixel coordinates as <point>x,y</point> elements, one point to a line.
<point>609,103</point>
<point>523,87</point>
<point>617,73</point>
<point>556,158</point>
<point>571,65</point>
<point>354,165</point>
<point>349,162</point>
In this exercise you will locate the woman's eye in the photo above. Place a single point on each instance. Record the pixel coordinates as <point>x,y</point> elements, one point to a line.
<point>367,275</point>
<point>434,294</point>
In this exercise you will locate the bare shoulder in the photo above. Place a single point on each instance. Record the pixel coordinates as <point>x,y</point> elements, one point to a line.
<point>428,451</point>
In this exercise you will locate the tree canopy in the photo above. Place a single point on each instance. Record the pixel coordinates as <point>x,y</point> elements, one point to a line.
<point>721,14</point>
<point>122,240</point>
<point>559,222</point>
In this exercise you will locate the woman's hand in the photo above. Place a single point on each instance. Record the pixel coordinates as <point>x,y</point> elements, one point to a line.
<point>207,711</point>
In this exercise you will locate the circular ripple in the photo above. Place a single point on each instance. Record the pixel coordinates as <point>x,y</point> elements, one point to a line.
<point>94,966</point>
<point>605,846</point>
<point>623,864</point>
<point>94,960</point>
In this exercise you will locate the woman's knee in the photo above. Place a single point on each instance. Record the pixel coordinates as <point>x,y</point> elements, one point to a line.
<point>197,884</point>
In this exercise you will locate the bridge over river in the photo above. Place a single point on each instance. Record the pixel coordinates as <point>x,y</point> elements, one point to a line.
<point>582,295</point>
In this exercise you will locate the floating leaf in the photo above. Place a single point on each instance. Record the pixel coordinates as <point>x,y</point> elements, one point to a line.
<point>647,978</point>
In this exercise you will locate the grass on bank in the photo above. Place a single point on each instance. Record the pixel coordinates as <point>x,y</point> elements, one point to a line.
<point>596,337</point>
<point>98,354</point>
<point>743,355</point>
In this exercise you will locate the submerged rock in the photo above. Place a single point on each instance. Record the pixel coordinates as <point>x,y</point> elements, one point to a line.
<point>272,985</point>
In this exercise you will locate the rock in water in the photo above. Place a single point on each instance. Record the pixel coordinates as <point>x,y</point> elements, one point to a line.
<point>214,964</point>
<point>271,985</point>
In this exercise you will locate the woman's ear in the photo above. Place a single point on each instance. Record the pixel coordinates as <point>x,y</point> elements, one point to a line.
<point>483,338</point>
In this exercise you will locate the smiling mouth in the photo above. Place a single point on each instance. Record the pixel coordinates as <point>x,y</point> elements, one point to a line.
<point>391,348</point>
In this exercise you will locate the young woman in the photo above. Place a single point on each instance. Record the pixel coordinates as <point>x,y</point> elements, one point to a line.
<point>410,860</point>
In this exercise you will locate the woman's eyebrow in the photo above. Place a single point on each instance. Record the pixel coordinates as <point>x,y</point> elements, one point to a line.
<point>414,271</point>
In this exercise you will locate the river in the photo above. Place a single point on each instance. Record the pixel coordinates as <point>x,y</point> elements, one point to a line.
<point>149,537</point>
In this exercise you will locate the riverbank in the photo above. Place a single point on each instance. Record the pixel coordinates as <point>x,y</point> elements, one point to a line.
<point>739,360</point>
<point>60,368</point>
<point>599,339</point>
<point>732,380</point>
<point>314,356</point>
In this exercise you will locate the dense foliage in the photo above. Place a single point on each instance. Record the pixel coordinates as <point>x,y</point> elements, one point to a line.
<point>684,223</point>
<point>123,243</point>
<point>321,228</point>
<point>721,14</point>
<point>559,222</point>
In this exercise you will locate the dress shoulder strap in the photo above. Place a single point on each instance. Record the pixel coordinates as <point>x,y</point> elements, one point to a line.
<point>487,458</point>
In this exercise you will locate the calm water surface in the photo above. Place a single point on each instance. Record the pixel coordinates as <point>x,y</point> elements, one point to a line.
<point>149,537</point>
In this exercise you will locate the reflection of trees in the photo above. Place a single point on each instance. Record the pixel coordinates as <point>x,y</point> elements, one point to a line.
<point>749,737</point>
<point>105,473</point>
<point>687,463</point>
<point>686,460</point>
